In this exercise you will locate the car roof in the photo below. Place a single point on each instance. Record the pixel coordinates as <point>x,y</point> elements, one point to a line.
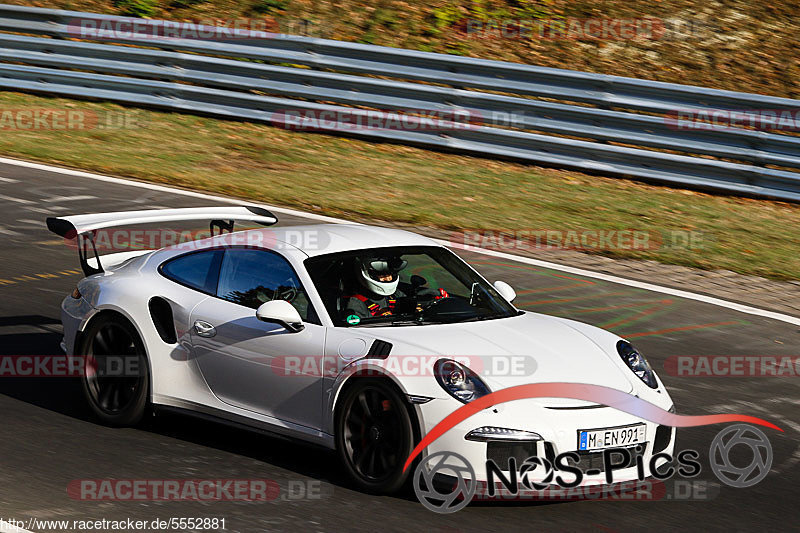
<point>319,239</point>
<point>311,240</point>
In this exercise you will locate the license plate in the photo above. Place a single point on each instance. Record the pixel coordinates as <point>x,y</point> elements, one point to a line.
<point>598,439</point>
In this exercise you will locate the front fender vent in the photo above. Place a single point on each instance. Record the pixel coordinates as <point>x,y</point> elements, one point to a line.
<point>379,349</point>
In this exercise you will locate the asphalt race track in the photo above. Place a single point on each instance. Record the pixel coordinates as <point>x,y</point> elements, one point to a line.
<point>49,438</point>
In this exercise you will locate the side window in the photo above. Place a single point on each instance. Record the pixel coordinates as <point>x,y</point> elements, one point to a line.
<point>196,270</point>
<point>252,277</point>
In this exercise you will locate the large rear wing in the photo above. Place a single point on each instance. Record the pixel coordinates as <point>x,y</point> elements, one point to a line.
<point>83,227</point>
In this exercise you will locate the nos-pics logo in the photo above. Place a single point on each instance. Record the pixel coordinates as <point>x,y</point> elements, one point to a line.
<point>445,481</point>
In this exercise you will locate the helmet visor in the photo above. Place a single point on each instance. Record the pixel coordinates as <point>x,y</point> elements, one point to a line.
<point>385,270</point>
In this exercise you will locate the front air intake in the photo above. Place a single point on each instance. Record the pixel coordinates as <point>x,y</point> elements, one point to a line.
<point>161,313</point>
<point>379,349</point>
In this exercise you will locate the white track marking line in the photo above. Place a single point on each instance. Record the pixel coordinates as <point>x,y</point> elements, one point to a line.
<point>8,180</point>
<point>322,218</point>
<point>631,283</point>
<point>15,200</point>
<point>70,198</point>
<point>5,231</point>
<point>170,190</point>
<point>41,210</point>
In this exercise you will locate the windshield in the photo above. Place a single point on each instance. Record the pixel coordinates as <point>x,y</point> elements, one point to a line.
<point>403,286</point>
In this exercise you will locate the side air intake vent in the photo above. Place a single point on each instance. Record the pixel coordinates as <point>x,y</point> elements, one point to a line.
<point>379,349</point>
<point>161,313</point>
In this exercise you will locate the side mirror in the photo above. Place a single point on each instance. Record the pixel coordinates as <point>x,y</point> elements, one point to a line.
<point>282,313</point>
<point>505,290</point>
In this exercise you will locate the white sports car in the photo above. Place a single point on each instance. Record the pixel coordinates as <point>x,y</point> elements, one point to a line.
<point>354,337</point>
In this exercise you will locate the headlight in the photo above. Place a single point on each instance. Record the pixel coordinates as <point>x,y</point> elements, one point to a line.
<point>459,381</point>
<point>637,363</point>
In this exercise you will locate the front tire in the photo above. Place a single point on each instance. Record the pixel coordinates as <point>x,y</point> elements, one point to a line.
<point>374,435</point>
<point>115,375</point>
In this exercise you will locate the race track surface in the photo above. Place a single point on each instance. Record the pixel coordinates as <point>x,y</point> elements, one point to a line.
<point>49,438</point>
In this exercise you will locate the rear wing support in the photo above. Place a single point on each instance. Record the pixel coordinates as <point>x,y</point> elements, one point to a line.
<point>83,254</point>
<point>222,225</point>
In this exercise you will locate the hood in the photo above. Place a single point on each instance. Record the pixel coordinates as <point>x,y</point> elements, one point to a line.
<point>559,351</point>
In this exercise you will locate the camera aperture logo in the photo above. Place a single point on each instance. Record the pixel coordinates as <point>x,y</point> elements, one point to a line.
<point>455,497</point>
<point>724,467</point>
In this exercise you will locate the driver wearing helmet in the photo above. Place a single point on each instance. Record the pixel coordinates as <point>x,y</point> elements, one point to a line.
<point>375,293</point>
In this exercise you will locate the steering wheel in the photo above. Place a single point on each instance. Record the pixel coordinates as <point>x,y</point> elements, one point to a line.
<point>428,306</point>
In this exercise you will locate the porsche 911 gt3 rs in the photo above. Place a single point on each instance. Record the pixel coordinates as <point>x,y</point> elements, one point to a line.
<point>360,340</point>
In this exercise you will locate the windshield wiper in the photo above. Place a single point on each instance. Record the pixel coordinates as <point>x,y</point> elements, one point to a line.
<point>478,318</point>
<point>390,320</point>
<point>417,320</point>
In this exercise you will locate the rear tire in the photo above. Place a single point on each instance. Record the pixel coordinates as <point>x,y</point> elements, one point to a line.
<point>374,435</point>
<point>115,377</point>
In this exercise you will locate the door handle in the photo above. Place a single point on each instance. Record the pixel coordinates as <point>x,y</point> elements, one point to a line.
<point>204,329</point>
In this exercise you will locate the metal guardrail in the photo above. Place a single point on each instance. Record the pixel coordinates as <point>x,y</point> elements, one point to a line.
<point>214,79</point>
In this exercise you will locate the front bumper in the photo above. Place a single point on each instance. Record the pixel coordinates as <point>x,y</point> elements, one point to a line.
<point>559,430</point>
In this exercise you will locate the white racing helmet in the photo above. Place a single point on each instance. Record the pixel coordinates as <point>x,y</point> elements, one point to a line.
<point>372,269</point>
